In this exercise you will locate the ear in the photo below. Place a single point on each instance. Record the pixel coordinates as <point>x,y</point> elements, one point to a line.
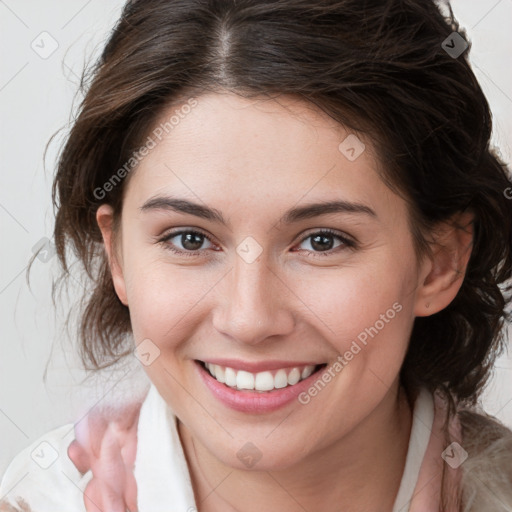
<point>105,220</point>
<point>442,274</point>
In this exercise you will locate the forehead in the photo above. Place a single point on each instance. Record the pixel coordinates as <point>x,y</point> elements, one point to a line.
<point>258,153</point>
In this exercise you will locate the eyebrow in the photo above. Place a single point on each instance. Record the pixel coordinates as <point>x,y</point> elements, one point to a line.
<point>293,215</point>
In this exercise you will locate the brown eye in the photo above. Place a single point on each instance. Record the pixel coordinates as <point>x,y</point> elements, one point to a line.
<point>191,241</point>
<point>322,242</point>
<point>186,242</point>
<point>325,242</point>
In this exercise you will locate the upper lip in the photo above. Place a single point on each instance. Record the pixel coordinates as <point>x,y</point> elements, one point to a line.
<point>258,366</point>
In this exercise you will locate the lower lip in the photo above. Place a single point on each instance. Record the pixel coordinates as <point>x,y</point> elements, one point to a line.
<point>252,401</point>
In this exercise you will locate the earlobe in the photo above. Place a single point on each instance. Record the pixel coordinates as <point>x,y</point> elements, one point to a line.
<point>443,273</point>
<point>105,220</point>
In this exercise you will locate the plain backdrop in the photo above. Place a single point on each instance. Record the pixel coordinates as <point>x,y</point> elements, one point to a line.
<point>44,46</point>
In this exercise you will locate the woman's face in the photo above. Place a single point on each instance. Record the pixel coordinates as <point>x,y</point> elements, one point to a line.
<point>264,282</point>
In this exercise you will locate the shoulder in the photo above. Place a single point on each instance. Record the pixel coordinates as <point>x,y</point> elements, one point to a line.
<point>487,471</point>
<point>42,478</point>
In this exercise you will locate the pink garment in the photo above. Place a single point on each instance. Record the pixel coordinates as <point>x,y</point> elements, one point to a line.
<point>436,472</point>
<point>108,447</point>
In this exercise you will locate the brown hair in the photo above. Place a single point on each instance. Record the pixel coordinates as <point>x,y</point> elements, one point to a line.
<point>376,66</point>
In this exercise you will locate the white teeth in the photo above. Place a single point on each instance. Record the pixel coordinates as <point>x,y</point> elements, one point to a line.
<point>230,377</point>
<point>219,373</point>
<point>294,376</point>
<point>262,381</point>
<point>244,380</point>
<point>281,379</point>
<point>308,370</point>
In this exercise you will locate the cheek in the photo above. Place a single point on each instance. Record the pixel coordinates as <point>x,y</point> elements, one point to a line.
<point>163,298</point>
<point>365,312</point>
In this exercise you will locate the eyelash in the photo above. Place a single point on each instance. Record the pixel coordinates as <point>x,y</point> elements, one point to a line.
<point>347,243</point>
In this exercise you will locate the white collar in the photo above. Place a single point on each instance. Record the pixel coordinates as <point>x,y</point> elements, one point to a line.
<point>162,474</point>
<point>161,471</point>
<point>422,421</point>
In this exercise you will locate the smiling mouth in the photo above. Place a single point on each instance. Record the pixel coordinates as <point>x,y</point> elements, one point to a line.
<point>260,382</point>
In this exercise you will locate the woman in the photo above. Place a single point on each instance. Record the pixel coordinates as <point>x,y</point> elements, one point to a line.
<point>291,215</point>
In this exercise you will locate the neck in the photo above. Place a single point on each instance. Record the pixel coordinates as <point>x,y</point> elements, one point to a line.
<point>361,471</point>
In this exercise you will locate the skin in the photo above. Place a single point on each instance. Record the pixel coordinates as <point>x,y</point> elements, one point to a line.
<point>252,160</point>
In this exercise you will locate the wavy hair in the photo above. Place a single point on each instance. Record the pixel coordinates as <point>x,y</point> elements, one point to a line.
<point>377,67</point>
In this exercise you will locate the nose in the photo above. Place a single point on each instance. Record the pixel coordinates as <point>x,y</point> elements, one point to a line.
<point>254,304</point>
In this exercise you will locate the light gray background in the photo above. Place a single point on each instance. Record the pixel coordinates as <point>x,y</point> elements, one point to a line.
<point>36,96</point>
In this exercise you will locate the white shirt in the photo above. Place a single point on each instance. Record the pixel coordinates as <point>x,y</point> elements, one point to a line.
<point>44,476</point>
